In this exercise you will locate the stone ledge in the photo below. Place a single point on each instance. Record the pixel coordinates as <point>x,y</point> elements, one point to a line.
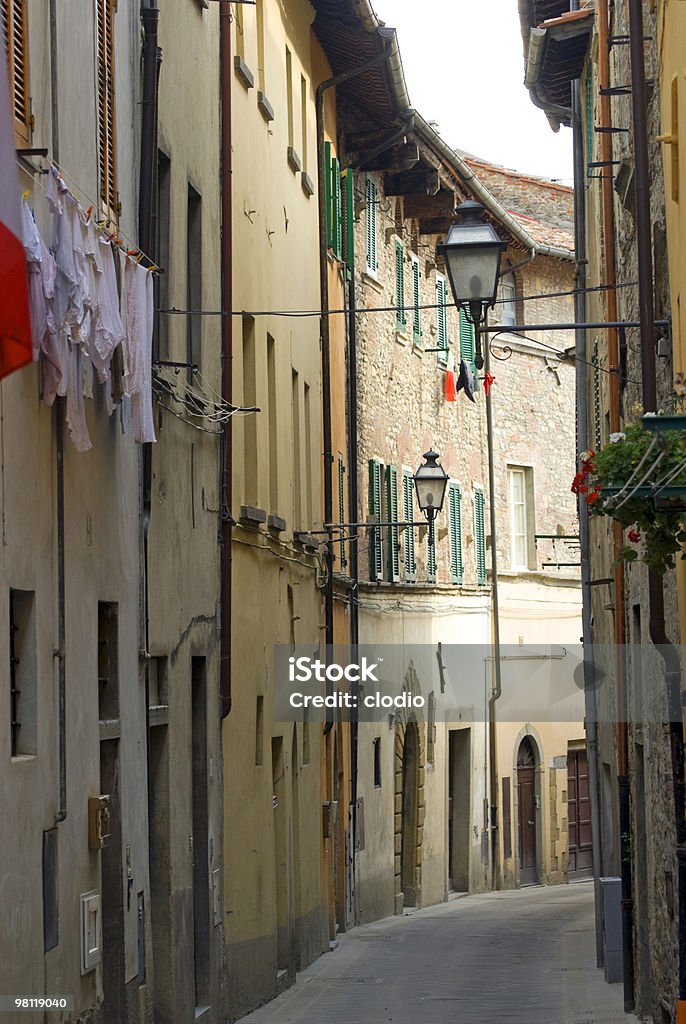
<point>264,106</point>
<point>307,184</point>
<point>243,72</point>
<point>276,522</point>
<point>372,280</point>
<point>250,515</point>
<point>294,161</point>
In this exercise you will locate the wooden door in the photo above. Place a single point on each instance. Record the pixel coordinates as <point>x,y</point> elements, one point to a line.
<point>579,815</point>
<point>526,785</point>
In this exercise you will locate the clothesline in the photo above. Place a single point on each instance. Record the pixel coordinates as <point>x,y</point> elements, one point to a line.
<point>116,235</point>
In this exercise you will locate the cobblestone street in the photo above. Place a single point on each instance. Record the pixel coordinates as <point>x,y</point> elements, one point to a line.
<point>525,957</point>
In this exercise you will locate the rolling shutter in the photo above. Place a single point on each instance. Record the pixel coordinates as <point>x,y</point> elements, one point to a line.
<point>455,521</point>
<point>106,112</point>
<point>15,37</point>
<point>408,516</point>
<point>393,532</point>
<point>480,537</point>
<point>375,545</point>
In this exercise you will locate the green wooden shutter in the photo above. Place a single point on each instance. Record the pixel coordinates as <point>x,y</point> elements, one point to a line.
<point>431,553</point>
<point>467,340</point>
<point>341,510</point>
<point>393,532</point>
<point>400,317</point>
<point>480,532</point>
<point>348,216</point>
<point>416,312</point>
<point>589,119</point>
<point>441,320</point>
<point>336,227</point>
<point>597,413</point>
<point>408,516</point>
<point>329,212</point>
<point>370,198</point>
<point>455,519</point>
<point>375,545</point>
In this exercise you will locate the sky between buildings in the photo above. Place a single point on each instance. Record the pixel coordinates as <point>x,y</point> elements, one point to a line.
<point>465,70</point>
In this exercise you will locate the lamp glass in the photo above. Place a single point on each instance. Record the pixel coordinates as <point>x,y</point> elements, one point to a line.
<point>472,254</point>
<point>430,481</point>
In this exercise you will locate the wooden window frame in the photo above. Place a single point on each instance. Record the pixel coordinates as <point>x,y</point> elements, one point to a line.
<point>480,537</point>
<point>15,21</point>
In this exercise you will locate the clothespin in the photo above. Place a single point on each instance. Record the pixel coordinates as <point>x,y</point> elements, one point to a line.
<point>132,252</point>
<point>140,256</point>
<point>26,196</point>
<point>153,269</point>
<point>88,213</point>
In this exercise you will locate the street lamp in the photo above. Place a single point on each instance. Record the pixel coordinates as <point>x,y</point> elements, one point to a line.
<point>430,481</point>
<point>472,254</point>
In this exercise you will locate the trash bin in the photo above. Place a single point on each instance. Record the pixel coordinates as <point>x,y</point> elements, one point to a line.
<point>613,954</point>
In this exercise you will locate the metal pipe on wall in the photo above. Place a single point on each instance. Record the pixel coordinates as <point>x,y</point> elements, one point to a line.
<point>657,630</point>
<point>226,71</point>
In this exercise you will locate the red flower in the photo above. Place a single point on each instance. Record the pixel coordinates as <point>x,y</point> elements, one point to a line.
<point>634,535</point>
<point>577,482</point>
<point>593,497</point>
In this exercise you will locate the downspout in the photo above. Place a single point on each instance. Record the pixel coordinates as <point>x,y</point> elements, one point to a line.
<point>59,472</point>
<point>353,499</point>
<point>622,728</point>
<point>322,88</point>
<point>591,703</point>
<point>497,689</point>
<point>658,634</point>
<point>226,69</point>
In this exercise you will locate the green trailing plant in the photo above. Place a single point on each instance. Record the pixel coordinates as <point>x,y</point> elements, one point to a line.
<point>655,522</point>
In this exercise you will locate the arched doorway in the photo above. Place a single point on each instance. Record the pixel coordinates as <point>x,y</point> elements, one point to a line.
<point>410,805</point>
<point>526,786</point>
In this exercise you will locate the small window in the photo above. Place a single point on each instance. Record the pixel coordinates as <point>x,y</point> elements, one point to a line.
<point>14,31</point>
<point>441,315</point>
<point>431,730</point>
<point>376,747</point>
<point>343,561</point>
<point>508,309</point>
<point>108,661</point>
<point>194,279</point>
<point>370,221</point>
<point>105,10</point>
<point>259,730</point>
<point>521,516</point>
<point>416,309</point>
<point>480,537</point>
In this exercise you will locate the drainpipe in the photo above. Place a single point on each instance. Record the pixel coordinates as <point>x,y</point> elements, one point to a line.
<point>322,88</point>
<point>658,634</point>
<point>353,498</point>
<point>226,68</point>
<point>622,731</point>
<point>60,653</point>
<point>591,703</point>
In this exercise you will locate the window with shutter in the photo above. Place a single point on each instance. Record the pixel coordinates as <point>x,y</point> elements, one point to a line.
<point>329,193</point>
<point>416,312</point>
<point>408,517</point>
<point>480,537</point>
<point>348,216</point>
<point>15,36</point>
<point>393,532</point>
<point>375,542</point>
<point>341,511</point>
<point>597,416</point>
<point>455,527</point>
<point>106,113</point>
<point>467,340</point>
<point>337,234</point>
<point>370,238</point>
<point>431,553</point>
<point>506,290</point>
<point>441,314</point>
<point>400,317</point>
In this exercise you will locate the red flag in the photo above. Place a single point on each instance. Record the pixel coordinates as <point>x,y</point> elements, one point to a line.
<point>15,326</point>
<point>488,380</point>
<point>450,382</point>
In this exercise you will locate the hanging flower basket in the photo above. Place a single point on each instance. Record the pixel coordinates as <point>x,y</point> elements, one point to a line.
<point>639,479</point>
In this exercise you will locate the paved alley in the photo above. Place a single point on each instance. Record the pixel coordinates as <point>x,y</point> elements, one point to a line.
<point>525,957</point>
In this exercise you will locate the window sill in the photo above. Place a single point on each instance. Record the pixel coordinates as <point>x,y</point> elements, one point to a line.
<point>243,72</point>
<point>370,278</point>
<point>307,184</point>
<point>294,161</point>
<point>417,347</point>
<point>401,337</point>
<point>264,106</point>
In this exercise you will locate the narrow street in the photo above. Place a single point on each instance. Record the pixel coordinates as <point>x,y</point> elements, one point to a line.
<point>524,956</point>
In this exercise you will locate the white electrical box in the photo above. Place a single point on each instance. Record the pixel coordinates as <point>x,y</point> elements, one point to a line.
<point>91,931</point>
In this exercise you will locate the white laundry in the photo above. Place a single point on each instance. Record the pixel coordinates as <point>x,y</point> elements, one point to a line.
<point>76,410</point>
<point>137,313</point>
<point>42,271</point>
<point>109,330</point>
